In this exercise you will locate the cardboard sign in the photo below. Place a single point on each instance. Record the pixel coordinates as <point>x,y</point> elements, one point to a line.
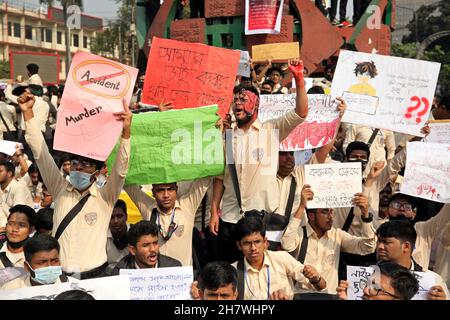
<point>188,30</point>
<point>263,16</point>
<point>286,34</point>
<point>440,132</point>
<point>319,128</point>
<point>160,283</point>
<point>93,91</point>
<point>276,51</point>
<point>190,74</point>
<point>385,92</point>
<point>427,171</point>
<point>334,184</point>
<point>107,288</point>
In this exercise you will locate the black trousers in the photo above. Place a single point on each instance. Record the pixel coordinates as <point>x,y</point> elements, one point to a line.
<point>342,10</point>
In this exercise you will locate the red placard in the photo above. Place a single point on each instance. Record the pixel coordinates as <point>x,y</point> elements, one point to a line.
<point>190,74</point>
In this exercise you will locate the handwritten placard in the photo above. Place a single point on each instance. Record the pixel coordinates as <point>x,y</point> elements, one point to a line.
<point>188,30</point>
<point>9,147</point>
<point>276,51</point>
<point>220,8</point>
<point>334,184</point>
<point>244,64</point>
<point>160,283</point>
<point>94,90</point>
<point>263,17</point>
<point>359,277</point>
<point>319,128</point>
<point>404,89</point>
<point>107,288</point>
<point>427,171</point>
<point>440,132</point>
<point>190,75</point>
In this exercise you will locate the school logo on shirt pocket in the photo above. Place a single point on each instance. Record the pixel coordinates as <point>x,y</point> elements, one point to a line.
<point>330,258</point>
<point>179,231</point>
<point>258,154</point>
<point>91,218</point>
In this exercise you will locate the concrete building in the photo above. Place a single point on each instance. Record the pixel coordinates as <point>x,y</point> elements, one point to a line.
<point>33,29</point>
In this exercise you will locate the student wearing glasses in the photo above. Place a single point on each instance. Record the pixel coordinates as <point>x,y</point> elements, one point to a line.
<point>393,282</point>
<point>83,239</point>
<point>319,243</point>
<point>265,274</point>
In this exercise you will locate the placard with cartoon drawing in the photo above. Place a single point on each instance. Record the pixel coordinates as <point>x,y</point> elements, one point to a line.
<point>385,92</point>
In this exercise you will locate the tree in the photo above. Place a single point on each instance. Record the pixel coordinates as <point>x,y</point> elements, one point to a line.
<point>435,54</point>
<point>4,70</point>
<point>65,4</point>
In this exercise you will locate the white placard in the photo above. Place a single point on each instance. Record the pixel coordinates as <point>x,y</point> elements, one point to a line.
<point>10,273</point>
<point>244,64</point>
<point>404,89</point>
<point>427,171</point>
<point>107,288</point>
<point>160,283</point>
<point>9,147</point>
<point>334,184</point>
<point>439,132</point>
<point>319,128</point>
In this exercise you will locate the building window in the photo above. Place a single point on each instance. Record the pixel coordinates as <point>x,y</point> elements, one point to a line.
<point>48,35</point>
<point>28,32</point>
<point>76,42</point>
<point>85,42</point>
<point>17,30</point>
<point>9,29</point>
<point>59,37</point>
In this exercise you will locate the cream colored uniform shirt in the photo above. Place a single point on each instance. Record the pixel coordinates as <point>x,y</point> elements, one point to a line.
<point>383,138</point>
<point>17,259</point>
<point>15,193</point>
<point>279,271</point>
<point>25,282</point>
<point>83,242</point>
<point>256,166</point>
<point>9,114</point>
<point>323,253</point>
<point>179,246</point>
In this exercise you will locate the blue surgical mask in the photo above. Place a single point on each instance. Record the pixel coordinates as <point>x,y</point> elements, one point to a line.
<point>80,180</point>
<point>47,275</point>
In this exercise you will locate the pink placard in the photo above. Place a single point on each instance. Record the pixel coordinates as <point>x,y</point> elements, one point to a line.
<point>94,90</point>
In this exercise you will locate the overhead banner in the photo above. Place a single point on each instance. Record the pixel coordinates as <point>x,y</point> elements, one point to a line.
<point>174,146</point>
<point>94,90</point>
<point>427,171</point>
<point>190,75</point>
<point>385,92</point>
<point>319,128</point>
<point>263,16</point>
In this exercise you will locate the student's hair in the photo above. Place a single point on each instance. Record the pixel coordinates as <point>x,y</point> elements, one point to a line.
<point>403,281</point>
<point>44,219</point>
<point>269,82</point>
<point>248,225</point>
<point>26,210</point>
<point>316,90</point>
<point>98,164</point>
<point>74,295</point>
<point>357,145</point>
<point>122,205</point>
<point>269,72</point>
<point>445,101</point>
<point>39,242</point>
<point>33,68</point>
<point>142,228</point>
<point>9,166</point>
<point>217,274</point>
<point>241,87</point>
<point>367,66</point>
<point>398,229</point>
<point>63,158</point>
<point>33,168</point>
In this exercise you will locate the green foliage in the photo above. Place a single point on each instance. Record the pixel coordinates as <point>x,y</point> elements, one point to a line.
<point>4,70</point>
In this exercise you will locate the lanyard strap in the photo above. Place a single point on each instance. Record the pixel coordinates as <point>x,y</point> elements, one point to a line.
<point>172,226</point>
<point>268,283</point>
